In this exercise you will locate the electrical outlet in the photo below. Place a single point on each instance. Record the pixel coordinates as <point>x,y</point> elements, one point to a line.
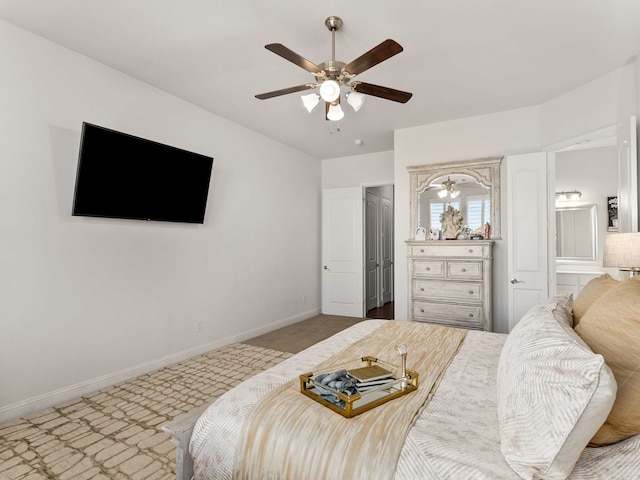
<point>199,326</point>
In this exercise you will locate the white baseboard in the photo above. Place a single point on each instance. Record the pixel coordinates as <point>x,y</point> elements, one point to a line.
<point>66,394</point>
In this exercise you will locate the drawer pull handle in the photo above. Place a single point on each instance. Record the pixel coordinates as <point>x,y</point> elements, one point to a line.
<point>422,289</point>
<point>428,268</point>
<point>464,270</point>
<point>422,250</point>
<point>471,250</point>
<point>422,310</point>
<point>471,315</point>
<point>470,292</point>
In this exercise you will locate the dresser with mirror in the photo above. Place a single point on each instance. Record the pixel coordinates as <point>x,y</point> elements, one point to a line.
<point>450,267</point>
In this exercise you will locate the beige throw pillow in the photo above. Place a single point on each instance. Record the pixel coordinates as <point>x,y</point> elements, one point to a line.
<point>593,290</point>
<point>611,327</point>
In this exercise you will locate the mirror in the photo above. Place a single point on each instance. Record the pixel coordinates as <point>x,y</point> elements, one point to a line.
<point>472,187</point>
<point>463,193</point>
<point>576,234</point>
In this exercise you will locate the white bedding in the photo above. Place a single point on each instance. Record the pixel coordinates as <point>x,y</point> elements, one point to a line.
<point>456,436</point>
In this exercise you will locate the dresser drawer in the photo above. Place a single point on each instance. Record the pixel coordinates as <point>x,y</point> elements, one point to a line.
<point>435,290</point>
<point>467,316</point>
<point>428,268</point>
<point>464,270</point>
<point>446,249</point>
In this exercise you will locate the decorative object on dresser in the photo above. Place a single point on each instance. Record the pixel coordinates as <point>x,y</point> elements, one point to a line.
<point>451,222</point>
<point>450,283</point>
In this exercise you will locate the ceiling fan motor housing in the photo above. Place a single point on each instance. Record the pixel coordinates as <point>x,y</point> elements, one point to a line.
<point>333,23</point>
<point>333,69</point>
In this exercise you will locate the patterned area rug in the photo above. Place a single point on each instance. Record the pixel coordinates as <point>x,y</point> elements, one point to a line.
<point>115,433</point>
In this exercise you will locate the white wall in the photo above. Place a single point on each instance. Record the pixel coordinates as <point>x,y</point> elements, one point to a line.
<point>595,105</point>
<point>85,302</point>
<point>358,170</point>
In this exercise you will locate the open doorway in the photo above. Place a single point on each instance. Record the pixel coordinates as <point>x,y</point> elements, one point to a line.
<point>378,239</point>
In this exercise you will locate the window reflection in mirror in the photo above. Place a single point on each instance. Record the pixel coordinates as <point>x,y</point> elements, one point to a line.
<point>463,193</point>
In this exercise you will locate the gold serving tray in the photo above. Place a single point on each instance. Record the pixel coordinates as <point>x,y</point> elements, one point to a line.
<point>351,405</point>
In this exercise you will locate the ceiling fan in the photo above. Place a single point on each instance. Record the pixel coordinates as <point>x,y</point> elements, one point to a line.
<point>332,74</point>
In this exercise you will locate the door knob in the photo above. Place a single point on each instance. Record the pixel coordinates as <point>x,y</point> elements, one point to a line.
<point>515,280</point>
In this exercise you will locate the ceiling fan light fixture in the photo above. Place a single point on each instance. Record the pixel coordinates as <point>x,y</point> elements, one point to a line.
<point>329,90</point>
<point>335,113</point>
<point>310,101</point>
<point>355,99</point>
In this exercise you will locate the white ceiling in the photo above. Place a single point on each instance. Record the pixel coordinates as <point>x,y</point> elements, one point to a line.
<point>461,57</point>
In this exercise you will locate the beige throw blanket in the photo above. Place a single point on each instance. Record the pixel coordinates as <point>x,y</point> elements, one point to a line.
<point>289,436</point>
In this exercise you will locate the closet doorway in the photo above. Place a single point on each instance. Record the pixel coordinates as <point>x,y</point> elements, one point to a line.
<point>378,239</point>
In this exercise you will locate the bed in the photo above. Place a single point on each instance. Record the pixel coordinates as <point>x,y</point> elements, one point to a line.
<point>497,412</point>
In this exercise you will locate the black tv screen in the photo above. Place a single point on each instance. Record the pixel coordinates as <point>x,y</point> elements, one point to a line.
<point>123,176</point>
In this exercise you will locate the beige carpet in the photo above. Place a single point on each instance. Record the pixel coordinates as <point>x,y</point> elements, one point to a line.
<point>115,433</point>
<point>295,338</point>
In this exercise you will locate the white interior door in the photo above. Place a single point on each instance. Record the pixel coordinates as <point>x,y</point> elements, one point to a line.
<point>372,251</point>
<point>386,248</point>
<point>342,252</point>
<point>527,232</point>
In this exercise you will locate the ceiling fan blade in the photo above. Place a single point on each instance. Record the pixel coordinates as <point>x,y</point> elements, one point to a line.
<point>385,50</point>
<point>285,91</point>
<point>293,57</point>
<point>382,92</point>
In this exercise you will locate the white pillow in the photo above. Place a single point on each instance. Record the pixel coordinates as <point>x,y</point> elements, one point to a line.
<point>553,394</point>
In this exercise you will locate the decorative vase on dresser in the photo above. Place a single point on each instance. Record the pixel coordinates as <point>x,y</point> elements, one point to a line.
<point>450,282</point>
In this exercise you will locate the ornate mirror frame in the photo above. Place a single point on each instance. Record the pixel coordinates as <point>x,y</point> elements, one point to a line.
<point>485,171</point>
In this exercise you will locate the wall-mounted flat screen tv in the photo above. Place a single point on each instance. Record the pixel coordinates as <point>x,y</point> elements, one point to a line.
<point>123,176</point>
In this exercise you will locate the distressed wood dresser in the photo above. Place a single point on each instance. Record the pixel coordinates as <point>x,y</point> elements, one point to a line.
<point>450,282</point>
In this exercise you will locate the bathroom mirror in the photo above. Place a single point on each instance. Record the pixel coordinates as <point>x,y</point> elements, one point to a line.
<point>576,234</point>
<point>472,187</point>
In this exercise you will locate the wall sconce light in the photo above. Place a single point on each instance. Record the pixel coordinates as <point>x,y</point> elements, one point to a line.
<point>572,195</point>
<point>622,250</point>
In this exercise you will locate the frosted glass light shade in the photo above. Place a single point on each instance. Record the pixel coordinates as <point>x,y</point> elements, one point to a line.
<point>622,250</point>
<point>442,193</point>
<point>455,193</point>
<point>355,99</point>
<point>329,90</point>
<point>335,113</point>
<point>310,101</point>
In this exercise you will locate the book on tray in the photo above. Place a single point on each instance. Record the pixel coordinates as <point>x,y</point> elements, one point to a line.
<point>370,374</point>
